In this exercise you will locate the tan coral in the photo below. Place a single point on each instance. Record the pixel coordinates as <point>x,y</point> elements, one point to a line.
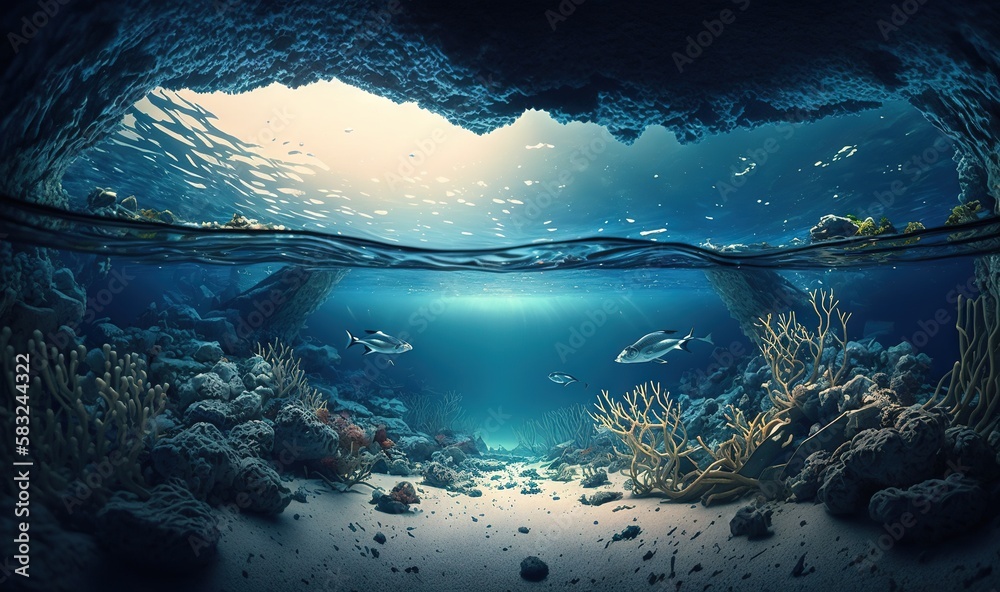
<point>69,443</point>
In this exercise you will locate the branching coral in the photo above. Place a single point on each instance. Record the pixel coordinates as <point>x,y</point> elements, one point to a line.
<point>289,378</point>
<point>568,424</point>
<point>74,445</point>
<point>662,460</point>
<point>747,437</point>
<point>973,394</point>
<point>433,413</point>
<point>794,353</point>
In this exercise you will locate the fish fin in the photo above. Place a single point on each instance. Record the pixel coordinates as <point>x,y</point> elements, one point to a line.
<point>659,361</point>
<point>690,333</point>
<point>683,344</point>
<point>351,340</point>
<point>391,363</point>
<point>567,383</point>
<point>368,350</point>
<point>586,385</point>
<point>370,332</point>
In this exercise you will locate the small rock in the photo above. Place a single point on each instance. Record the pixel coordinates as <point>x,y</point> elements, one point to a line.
<point>751,521</point>
<point>534,569</point>
<point>379,538</point>
<point>523,529</point>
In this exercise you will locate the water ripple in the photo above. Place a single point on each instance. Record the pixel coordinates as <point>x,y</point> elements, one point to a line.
<point>151,242</point>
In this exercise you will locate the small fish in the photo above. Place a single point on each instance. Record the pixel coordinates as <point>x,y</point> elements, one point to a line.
<point>379,342</point>
<point>565,379</point>
<point>653,346</point>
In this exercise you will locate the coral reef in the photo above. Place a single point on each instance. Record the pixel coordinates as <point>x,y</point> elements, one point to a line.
<point>570,426</point>
<point>661,460</point>
<point>435,413</point>
<point>795,353</point>
<point>301,432</point>
<point>201,458</point>
<point>77,437</point>
<point>397,501</point>
<point>288,380</point>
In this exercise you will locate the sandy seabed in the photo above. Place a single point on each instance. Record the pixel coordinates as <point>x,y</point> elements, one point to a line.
<point>456,542</point>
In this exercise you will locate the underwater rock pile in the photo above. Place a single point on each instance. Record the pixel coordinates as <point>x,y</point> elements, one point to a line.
<point>171,531</point>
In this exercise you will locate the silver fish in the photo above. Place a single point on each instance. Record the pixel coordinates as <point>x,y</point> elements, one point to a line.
<point>653,346</point>
<point>379,342</point>
<point>565,379</point>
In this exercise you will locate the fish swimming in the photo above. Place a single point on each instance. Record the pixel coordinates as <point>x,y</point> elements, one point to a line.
<point>379,342</point>
<point>565,379</point>
<point>653,346</point>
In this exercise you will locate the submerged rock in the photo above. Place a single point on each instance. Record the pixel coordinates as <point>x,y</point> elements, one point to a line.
<point>171,531</point>
<point>897,456</point>
<point>252,439</point>
<point>595,479</point>
<point>300,435</point>
<point>931,510</point>
<point>601,497</point>
<point>438,475</point>
<point>258,488</point>
<point>751,521</point>
<point>832,227</point>
<point>534,569</point>
<point>201,458</point>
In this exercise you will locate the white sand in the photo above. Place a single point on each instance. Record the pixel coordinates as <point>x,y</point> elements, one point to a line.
<point>472,544</point>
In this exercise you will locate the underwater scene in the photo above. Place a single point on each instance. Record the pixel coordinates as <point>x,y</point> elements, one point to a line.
<point>305,335</point>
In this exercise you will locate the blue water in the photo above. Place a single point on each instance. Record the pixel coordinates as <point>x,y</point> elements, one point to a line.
<point>490,314</point>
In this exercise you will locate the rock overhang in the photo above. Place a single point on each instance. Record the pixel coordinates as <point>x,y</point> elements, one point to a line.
<point>697,68</point>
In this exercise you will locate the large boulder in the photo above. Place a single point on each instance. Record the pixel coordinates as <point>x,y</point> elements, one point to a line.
<point>201,458</point>
<point>258,488</point>
<point>300,435</point>
<point>832,227</point>
<point>170,532</point>
<point>204,386</point>
<point>252,439</point>
<point>931,510</point>
<point>903,454</point>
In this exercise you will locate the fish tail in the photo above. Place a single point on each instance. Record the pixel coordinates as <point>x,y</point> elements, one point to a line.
<point>351,340</point>
<point>708,339</point>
